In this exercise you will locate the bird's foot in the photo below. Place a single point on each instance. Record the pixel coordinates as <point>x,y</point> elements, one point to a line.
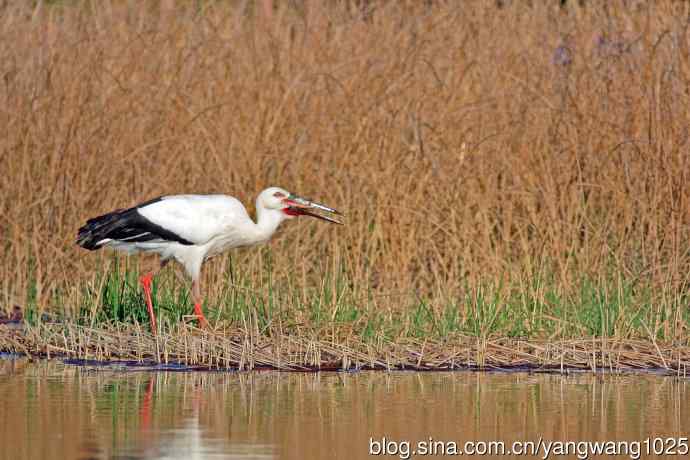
<point>198,312</point>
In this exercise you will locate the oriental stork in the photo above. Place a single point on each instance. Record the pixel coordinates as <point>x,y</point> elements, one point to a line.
<point>193,228</point>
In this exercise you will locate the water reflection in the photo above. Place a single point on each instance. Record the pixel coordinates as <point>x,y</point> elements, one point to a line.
<point>52,410</point>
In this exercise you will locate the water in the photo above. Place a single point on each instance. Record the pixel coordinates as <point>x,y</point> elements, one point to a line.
<point>53,410</point>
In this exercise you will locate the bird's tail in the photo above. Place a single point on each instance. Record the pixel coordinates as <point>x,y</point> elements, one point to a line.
<point>94,234</point>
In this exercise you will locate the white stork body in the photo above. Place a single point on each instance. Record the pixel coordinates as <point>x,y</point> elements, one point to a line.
<point>212,223</point>
<point>192,228</point>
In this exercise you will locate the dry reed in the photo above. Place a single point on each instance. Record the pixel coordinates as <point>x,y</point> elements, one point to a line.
<point>518,147</point>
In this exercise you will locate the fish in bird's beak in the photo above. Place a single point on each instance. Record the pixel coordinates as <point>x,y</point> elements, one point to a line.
<point>298,206</point>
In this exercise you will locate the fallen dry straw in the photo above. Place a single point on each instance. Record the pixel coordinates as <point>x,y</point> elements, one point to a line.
<point>234,349</point>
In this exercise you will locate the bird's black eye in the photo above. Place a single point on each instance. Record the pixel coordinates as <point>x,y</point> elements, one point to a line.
<point>279,195</point>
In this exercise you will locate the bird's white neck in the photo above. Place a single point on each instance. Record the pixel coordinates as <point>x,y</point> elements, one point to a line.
<point>267,222</point>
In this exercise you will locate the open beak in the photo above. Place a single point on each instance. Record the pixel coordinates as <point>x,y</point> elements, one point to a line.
<point>298,206</point>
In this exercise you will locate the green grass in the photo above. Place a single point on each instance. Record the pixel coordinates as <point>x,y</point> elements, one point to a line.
<point>282,321</point>
<point>613,309</point>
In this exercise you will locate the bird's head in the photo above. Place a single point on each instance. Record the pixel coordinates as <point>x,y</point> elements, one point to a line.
<point>291,205</point>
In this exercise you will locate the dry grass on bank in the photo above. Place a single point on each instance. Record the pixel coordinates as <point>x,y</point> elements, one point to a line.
<point>523,148</point>
<point>240,349</point>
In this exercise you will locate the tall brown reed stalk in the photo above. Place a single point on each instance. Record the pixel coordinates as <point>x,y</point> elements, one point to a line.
<point>467,143</point>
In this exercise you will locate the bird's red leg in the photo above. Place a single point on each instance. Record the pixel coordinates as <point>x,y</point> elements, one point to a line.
<point>196,295</point>
<point>145,281</point>
<point>146,284</point>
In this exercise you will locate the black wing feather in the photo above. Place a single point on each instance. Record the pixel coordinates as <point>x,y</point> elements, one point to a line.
<point>125,225</point>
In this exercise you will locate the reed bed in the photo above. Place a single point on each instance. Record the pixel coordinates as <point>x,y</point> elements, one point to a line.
<point>510,171</point>
<point>198,349</point>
